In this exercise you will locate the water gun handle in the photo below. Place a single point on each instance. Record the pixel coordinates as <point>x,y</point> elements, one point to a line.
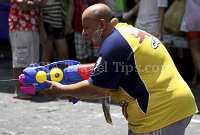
<point>75,100</point>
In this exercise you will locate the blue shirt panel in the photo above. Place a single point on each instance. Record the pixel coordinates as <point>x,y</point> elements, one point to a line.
<point>116,68</point>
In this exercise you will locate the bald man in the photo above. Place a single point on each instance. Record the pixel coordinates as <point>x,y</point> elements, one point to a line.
<point>135,69</point>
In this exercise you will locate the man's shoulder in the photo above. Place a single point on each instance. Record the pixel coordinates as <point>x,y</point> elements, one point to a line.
<point>115,43</point>
<point>125,28</point>
<point>114,37</point>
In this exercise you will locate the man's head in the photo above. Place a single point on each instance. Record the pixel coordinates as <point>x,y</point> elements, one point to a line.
<point>98,21</point>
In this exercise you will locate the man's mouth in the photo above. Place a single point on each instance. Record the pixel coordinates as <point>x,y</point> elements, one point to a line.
<point>88,39</point>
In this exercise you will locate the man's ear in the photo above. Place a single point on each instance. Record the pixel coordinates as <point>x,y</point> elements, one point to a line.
<point>103,24</point>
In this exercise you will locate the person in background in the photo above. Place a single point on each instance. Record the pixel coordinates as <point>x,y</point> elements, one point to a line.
<point>190,25</point>
<point>136,70</point>
<point>83,51</point>
<point>70,35</point>
<point>118,7</point>
<point>24,38</point>
<point>52,31</point>
<point>150,16</point>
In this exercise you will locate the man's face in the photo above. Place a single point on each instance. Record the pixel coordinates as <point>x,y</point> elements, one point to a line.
<point>91,31</point>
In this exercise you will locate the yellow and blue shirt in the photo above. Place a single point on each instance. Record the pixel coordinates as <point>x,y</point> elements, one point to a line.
<point>141,77</point>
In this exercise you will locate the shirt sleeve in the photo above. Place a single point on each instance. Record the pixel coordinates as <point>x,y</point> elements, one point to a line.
<point>110,66</point>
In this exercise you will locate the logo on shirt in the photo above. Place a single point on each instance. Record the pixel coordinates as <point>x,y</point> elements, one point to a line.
<point>98,62</point>
<point>141,35</point>
<point>155,43</point>
<point>98,67</point>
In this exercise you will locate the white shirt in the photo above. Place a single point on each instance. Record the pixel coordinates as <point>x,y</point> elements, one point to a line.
<point>148,15</point>
<point>191,18</point>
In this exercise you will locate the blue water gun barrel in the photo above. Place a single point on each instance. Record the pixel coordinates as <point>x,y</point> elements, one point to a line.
<point>36,75</point>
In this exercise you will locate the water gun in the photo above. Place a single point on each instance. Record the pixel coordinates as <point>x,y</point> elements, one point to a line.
<point>36,75</point>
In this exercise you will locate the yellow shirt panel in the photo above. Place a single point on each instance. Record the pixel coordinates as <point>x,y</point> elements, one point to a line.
<point>170,98</point>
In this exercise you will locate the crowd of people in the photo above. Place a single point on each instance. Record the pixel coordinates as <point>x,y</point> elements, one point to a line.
<point>152,101</point>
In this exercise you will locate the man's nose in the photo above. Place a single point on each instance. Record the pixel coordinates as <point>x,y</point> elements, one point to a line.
<point>83,32</point>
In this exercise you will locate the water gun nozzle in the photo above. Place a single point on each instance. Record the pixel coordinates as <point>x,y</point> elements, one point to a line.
<point>22,78</point>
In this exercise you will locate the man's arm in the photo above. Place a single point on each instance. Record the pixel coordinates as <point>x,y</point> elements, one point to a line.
<point>68,21</point>
<point>134,10</point>
<point>161,21</point>
<point>71,11</point>
<point>82,89</point>
<point>67,25</point>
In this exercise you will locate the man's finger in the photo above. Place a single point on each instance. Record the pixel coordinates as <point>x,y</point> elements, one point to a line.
<point>69,98</point>
<point>48,82</point>
<point>46,91</point>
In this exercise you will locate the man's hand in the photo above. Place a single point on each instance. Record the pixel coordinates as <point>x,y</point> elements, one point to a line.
<point>29,5</point>
<point>54,91</point>
<point>23,5</point>
<point>127,16</point>
<point>43,2</point>
<point>68,28</point>
<point>159,34</point>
